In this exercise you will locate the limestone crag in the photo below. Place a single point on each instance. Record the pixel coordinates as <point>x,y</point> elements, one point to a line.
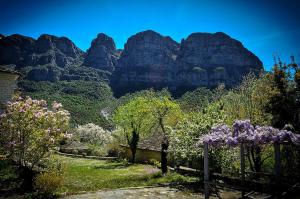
<point>47,49</point>
<point>102,54</point>
<point>147,61</point>
<point>206,59</point>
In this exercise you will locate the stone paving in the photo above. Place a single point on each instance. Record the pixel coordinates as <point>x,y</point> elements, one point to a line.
<point>139,193</point>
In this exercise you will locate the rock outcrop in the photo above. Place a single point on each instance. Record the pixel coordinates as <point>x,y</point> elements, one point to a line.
<point>59,51</point>
<point>47,49</point>
<point>16,49</point>
<point>206,59</point>
<point>102,54</point>
<point>147,61</point>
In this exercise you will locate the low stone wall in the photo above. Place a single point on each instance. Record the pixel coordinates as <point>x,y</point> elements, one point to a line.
<point>87,157</point>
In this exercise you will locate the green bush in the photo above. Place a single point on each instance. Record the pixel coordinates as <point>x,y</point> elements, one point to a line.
<point>155,162</point>
<point>48,183</point>
<point>97,150</point>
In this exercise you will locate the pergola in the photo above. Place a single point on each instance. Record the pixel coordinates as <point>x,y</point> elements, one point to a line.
<point>242,134</point>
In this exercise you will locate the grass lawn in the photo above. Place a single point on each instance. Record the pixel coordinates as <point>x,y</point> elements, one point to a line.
<point>91,175</point>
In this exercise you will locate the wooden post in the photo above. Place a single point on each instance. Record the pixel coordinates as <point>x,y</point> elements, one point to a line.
<point>242,159</point>
<point>206,172</point>
<point>277,165</point>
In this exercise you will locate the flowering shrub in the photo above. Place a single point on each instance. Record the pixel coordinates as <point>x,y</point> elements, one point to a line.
<point>244,132</point>
<point>93,134</point>
<point>29,129</point>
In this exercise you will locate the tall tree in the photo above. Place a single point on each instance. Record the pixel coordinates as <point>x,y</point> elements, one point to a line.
<point>134,118</point>
<point>165,112</point>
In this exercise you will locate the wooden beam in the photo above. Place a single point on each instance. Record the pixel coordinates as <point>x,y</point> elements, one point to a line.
<point>277,165</point>
<point>242,159</point>
<point>206,172</point>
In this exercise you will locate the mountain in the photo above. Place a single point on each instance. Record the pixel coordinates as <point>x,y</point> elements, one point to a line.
<point>147,60</point>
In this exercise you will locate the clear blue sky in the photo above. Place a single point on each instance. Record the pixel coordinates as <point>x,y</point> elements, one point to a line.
<point>263,26</point>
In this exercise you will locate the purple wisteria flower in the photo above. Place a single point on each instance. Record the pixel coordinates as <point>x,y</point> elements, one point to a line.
<point>218,135</point>
<point>244,132</point>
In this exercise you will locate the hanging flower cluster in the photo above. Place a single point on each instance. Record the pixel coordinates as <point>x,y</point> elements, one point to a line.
<point>244,132</point>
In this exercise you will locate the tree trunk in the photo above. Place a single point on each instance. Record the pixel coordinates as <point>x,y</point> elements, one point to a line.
<point>133,142</point>
<point>27,175</point>
<point>133,152</point>
<point>164,154</point>
<point>257,159</point>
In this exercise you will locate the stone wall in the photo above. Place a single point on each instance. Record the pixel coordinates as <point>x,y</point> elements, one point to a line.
<point>7,86</point>
<point>142,155</point>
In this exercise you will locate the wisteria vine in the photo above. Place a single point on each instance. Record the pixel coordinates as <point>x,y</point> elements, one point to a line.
<point>244,132</point>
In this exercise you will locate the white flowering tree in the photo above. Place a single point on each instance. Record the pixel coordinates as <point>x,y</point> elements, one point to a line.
<point>93,134</point>
<point>29,130</point>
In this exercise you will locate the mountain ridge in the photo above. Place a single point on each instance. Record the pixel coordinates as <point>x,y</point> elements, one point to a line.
<point>148,60</point>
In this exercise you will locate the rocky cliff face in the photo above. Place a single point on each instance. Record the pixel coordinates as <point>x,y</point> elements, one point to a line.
<point>41,58</point>
<point>47,49</point>
<point>206,59</point>
<point>203,59</point>
<point>148,60</point>
<point>102,54</point>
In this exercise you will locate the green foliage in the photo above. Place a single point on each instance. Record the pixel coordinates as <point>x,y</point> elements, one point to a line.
<point>84,100</point>
<point>165,112</point>
<point>135,119</point>
<point>250,100</point>
<point>48,183</point>
<point>285,106</point>
<point>8,174</point>
<point>184,136</point>
<point>86,74</point>
<point>143,93</point>
<point>133,115</point>
<point>91,90</point>
<point>196,100</point>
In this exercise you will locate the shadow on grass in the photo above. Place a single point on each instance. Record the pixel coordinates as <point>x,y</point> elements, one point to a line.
<point>114,165</point>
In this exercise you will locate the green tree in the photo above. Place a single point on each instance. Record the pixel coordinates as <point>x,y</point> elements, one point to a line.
<point>165,112</point>
<point>134,118</point>
<point>285,106</point>
<point>196,100</point>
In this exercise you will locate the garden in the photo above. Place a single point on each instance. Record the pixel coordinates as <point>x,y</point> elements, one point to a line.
<point>244,139</point>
